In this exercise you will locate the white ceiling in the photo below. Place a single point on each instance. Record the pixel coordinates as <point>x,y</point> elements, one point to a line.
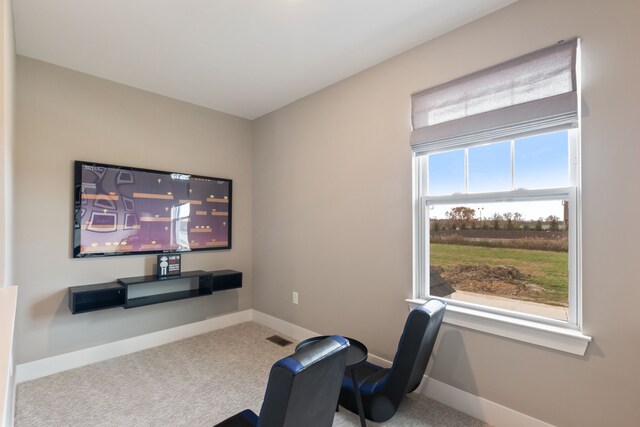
<point>243,57</point>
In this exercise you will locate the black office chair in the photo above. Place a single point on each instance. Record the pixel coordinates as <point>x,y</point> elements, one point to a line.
<point>302,390</point>
<point>382,389</point>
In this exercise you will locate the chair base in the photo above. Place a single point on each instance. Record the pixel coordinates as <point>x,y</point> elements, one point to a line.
<point>246,418</point>
<point>377,408</point>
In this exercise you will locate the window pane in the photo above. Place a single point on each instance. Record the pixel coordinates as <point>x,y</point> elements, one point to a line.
<point>507,255</point>
<point>490,167</point>
<point>542,161</point>
<point>446,173</point>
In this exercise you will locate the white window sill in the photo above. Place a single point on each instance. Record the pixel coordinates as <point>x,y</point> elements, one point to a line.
<point>558,338</point>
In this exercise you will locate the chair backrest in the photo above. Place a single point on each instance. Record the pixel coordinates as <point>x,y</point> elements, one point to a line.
<point>414,349</point>
<point>303,388</point>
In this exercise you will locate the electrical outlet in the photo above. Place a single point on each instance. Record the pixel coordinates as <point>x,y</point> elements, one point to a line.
<point>295,297</point>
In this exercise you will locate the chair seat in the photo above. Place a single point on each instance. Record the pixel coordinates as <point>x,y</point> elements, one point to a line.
<point>371,378</point>
<point>246,418</point>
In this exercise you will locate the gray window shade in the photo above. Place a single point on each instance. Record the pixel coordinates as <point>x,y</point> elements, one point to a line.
<point>532,92</point>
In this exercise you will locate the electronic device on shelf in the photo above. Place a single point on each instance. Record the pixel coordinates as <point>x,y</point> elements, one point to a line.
<point>120,210</point>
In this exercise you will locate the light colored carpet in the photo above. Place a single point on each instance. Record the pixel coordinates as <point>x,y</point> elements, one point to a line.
<point>198,381</point>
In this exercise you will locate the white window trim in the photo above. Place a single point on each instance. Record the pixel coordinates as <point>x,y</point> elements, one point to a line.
<point>558,338</point>
<point>558,335</point>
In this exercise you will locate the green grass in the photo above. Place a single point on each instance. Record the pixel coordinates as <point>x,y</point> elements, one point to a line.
<point>547,269</point>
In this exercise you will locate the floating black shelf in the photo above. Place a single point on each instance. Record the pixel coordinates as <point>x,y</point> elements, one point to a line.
<point>158,298</point>
<point>96,297</point>
<point>222,280</point>
<point>154,278</point>
<point>83,299</point>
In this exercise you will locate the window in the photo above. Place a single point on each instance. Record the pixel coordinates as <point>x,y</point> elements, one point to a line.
<point>497,198</point>
<point>498,220</point>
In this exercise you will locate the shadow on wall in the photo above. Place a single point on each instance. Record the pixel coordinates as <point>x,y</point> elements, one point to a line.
<point>455,369</point>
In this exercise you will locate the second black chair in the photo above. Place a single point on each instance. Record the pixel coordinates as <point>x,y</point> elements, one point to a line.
<point>382,389</point>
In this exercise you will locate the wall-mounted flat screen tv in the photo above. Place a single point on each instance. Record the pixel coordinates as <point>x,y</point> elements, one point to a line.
<point>122,210</point>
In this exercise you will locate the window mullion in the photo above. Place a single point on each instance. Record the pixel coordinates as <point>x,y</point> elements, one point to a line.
<point>573,157</point>
<point>466,171</point>
<point>513,164</point>
<point>573,264</point>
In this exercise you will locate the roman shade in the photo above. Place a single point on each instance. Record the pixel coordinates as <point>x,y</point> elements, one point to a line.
<point>535,91</point>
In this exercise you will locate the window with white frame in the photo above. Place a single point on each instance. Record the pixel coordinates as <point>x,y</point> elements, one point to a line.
<point>497,189</point>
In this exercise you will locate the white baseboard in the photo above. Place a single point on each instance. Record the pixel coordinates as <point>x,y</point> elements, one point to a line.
<point>478,407</point>
<point>294,331</point>
<point>10,397</point>
<point>11,402</point>
<point>52,365</point>
<point>299,333</point>
<point>8,301</point>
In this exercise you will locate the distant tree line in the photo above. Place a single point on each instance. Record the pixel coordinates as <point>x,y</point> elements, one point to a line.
<point>464,218</point>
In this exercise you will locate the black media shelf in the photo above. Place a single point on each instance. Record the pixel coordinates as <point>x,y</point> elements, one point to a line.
<point>96,297</point>
<point>154,278</point>
<point>222,280</point>
<point>205,280</point>
<point>83,299</point>
<point>159,298</point>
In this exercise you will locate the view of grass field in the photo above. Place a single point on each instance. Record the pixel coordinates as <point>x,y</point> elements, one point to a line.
<point>546,269</point>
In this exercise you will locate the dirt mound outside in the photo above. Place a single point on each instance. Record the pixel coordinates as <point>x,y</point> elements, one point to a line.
<point>501,280</point>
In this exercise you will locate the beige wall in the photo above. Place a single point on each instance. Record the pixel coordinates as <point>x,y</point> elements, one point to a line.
<point>63,116</point>
<point>333,203</point>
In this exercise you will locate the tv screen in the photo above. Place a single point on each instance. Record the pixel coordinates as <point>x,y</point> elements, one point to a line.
<point>121,210</point>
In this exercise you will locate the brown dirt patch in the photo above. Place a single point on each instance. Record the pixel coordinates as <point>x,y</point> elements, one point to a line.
<point>502,280</point>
